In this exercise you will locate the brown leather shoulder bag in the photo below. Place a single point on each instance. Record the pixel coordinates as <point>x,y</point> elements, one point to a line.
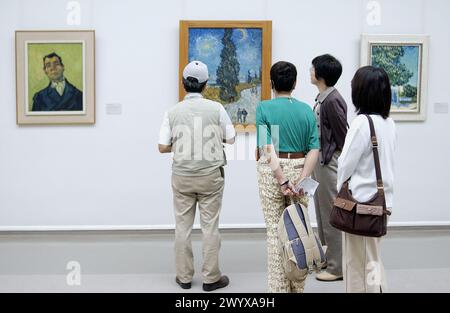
<point>362,218</point>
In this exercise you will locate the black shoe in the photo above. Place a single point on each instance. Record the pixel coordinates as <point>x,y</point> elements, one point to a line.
<point>222,282</point>
<point>183,285</point>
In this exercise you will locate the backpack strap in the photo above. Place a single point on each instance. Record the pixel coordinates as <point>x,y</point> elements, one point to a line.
<point>284,238</point>
<point>315,249</point>
<point>312,237</point>
<point>302,234</point>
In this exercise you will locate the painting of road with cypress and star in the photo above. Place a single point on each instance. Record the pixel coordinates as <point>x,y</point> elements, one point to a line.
<point>233,57</point>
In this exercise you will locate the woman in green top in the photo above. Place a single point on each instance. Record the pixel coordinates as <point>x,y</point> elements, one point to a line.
<point>288,149</point>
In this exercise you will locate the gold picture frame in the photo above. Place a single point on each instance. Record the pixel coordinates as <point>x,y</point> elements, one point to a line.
<point>55,77</point>
<point>250,43</point>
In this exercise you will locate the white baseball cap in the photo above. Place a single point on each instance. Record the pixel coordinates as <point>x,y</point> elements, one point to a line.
<point>196,69</point>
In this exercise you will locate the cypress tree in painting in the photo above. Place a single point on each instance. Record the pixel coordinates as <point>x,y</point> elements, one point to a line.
<point>228,70</point>
<point>249,77</point>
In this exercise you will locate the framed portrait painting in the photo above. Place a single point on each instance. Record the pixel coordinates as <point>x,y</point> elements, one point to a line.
<point>55,77</point>
<point>405,59</point>
<point>238,55</point>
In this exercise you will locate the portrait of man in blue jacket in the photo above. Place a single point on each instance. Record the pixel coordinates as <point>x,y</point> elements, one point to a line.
<point>60,94</point>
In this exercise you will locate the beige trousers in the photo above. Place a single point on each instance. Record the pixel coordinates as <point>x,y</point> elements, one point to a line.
<point>207,191</point>
<point>363,269</point>
<point>273,203</point>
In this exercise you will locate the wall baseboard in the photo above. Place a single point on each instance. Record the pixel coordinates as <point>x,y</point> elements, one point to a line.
<point>171,227</point>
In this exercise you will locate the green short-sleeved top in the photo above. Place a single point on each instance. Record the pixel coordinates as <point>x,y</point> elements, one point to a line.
<point>295,121</point>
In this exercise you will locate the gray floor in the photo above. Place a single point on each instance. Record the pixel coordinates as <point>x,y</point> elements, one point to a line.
<point>416,261</point>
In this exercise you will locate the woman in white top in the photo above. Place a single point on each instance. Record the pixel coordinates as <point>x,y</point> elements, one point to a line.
<point>371,94</point>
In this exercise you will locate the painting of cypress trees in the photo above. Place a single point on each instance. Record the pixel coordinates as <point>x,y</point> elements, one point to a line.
<point>237,58</point>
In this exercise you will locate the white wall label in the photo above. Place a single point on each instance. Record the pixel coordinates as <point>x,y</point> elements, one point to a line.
<point>114,108</point>
<point>441,108</point>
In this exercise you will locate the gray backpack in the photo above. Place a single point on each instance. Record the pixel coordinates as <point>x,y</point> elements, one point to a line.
<point>301,252</point>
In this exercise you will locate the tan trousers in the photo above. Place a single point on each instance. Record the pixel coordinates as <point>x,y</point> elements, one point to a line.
<point>363,269</point>
<point>273,203</point>
<point>331,237</point>
<point>207,191</point>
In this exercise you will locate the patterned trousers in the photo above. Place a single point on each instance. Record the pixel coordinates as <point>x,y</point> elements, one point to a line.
<point>273,203</point>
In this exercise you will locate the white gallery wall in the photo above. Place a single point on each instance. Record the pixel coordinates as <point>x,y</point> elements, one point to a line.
<point>111,176</point>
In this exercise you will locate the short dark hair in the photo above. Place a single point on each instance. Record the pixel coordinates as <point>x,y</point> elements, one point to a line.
<point>283,76</point>
<point>371,91</point>
<point>191,84</point>
<point>328,68</point>
<point>52,55</point>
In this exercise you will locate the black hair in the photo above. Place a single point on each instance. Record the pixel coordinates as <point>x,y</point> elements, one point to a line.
<point>191,84</point>
<point>52,55</point>
<point>371,91</point>
<point>328,68</point>
<point>283,76</point>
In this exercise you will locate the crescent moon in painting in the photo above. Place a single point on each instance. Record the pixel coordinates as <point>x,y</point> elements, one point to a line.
<point>244,34</point>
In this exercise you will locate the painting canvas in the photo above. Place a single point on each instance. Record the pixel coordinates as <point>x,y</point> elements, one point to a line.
<point>404,60</point>
<point>55,77</point>
<point>238,57</point>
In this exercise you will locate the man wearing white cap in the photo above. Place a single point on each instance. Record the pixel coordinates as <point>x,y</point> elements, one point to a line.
<point>195,130</point>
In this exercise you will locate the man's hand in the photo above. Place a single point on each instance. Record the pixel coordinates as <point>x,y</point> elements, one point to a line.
<point>164,148</point>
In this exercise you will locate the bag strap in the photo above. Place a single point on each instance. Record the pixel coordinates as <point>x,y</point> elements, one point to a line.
<point>376,157</point>
<point>302,234</point>
<point>312,237</point>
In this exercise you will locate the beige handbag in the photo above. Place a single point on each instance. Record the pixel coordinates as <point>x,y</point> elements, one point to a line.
<point>300,249</point>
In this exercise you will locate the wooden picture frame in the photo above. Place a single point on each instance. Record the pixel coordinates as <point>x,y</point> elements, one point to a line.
<point>252,41</point>
<point>405,59</point>
<point>55,77</point>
